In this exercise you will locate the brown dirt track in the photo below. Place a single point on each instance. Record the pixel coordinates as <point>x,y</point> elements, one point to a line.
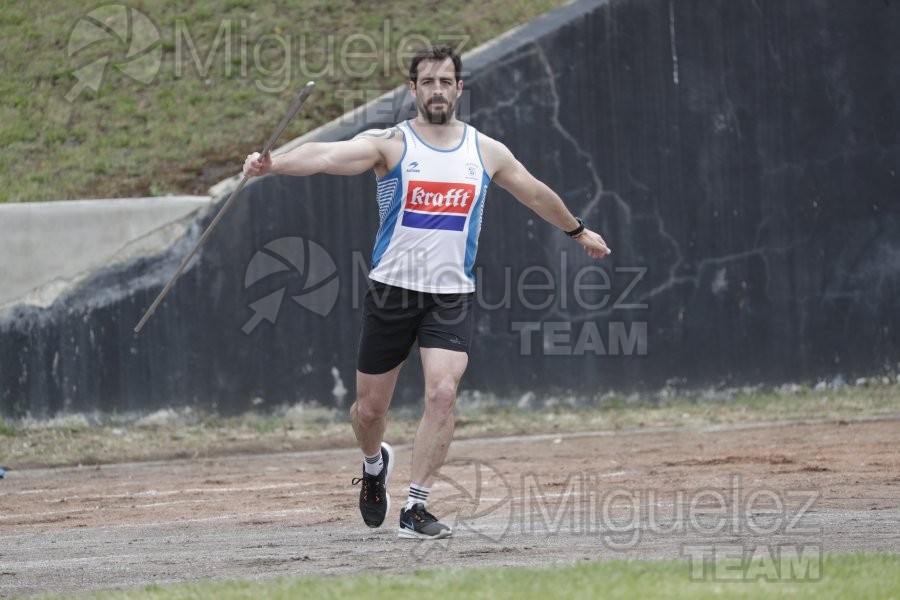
<point>832,485</point>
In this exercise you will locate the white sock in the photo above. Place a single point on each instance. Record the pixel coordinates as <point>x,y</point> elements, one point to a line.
<point>417,495</point>
<point>374,464</point>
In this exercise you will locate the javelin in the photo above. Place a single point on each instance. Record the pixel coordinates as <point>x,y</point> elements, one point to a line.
<point>295,107</point>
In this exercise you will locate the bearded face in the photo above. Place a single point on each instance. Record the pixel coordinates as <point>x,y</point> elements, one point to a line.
<point>436,90</point>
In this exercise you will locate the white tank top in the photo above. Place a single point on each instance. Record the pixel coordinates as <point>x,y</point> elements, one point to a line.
<point>430,206</point>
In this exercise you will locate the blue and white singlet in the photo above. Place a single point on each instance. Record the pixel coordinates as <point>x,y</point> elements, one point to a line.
<point>430,206</point>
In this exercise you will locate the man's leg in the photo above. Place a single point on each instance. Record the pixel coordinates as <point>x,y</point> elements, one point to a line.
<point>368,414</point>
<point>368,417</point>
<point>443,369</point>
<point>388,332</point>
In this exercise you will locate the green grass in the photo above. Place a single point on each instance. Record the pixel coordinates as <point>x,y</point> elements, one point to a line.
<point>72,440</point>
<point>191,126</point>
<point>269,424</point>
<point>841,576</point>
<point>7,429</point>
<point>617,411</point>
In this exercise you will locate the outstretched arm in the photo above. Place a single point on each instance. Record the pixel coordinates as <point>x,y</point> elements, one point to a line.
<point>512,176</point>
<point>336,158</point>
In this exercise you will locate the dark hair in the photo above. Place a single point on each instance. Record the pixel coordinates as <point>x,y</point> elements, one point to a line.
<point>440,53</point>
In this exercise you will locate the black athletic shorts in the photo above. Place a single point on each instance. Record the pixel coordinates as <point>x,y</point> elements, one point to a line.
<point>394,318</point>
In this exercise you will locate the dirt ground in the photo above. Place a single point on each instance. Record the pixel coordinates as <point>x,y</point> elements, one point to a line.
<point>825,486</point>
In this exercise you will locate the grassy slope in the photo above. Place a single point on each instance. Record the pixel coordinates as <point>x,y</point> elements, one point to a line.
<point>181,134</point>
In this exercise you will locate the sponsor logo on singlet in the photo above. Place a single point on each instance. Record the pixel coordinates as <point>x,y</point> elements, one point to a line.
<point>438,205</point>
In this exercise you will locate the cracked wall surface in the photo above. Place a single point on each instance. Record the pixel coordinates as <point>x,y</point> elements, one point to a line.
<point>739,156</point>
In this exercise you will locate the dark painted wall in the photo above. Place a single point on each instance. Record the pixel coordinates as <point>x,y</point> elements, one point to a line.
<point>740,156</point>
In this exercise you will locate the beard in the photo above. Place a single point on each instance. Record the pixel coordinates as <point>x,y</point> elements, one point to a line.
<point>440,116</point>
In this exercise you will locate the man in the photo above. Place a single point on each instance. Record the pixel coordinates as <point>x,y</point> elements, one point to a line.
<point>432,174</point>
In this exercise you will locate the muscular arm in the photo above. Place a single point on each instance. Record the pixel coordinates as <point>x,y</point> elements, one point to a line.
<point>352,157</point>
<point>336,158</point>
<point>512,176</point>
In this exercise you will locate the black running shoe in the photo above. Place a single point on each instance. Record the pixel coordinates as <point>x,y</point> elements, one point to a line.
<point>419,524</point>
<point>374,500</point>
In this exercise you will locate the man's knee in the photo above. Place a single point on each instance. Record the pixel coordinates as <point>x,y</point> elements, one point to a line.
<point>366,414</point>
<point>441,398</point>
<point>368,408</point>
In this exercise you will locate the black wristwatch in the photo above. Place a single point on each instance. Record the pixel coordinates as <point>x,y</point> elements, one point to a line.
<point>577,231</point>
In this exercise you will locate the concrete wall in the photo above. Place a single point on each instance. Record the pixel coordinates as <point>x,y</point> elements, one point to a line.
<point>51,246</point>
<point>739,156</point>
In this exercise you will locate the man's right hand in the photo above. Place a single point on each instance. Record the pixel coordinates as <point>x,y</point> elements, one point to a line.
<point>257,165</point>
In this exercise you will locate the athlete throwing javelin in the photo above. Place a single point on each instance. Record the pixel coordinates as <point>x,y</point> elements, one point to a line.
<point>432,174</point>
